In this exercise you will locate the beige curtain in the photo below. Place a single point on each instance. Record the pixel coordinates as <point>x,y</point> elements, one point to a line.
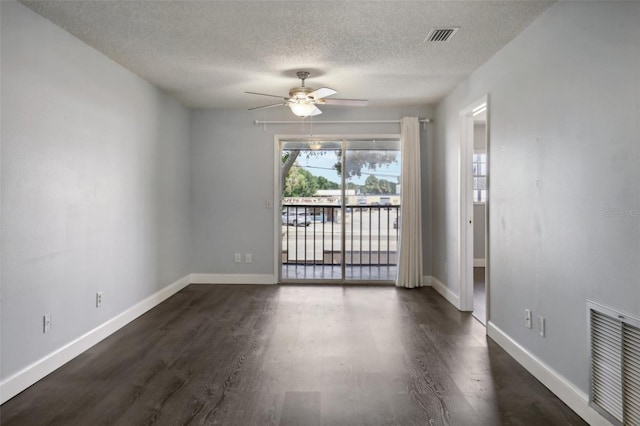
<point>410,251</point>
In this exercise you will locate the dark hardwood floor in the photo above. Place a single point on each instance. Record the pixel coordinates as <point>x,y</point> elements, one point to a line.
<point>293,355</point>
<point>479,295</point>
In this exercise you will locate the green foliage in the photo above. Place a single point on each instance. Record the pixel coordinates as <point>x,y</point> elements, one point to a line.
<point>352,185</point>
<point>375,186</point>
<point>301,183</point>
<point>359,160</point>
<point>298,182</point>
<point>324,183</point>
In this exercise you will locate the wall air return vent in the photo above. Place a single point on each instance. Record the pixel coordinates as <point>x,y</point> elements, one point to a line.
<point>440,34</point>
<point>614,389</point>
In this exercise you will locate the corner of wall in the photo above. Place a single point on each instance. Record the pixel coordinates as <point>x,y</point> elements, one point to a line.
<point>232,279</point>
<point>26,377</point>
<point>577,400</point>
<point>445,291</point>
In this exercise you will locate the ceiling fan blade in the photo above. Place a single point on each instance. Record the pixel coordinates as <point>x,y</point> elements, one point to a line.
<point>316,111</point>
<point>322,92</point>
<point>264,94</point>
<point>268,106</point>
<point>345,102</point>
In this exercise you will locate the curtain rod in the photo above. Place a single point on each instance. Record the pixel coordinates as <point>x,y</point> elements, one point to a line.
<point>424,120</point>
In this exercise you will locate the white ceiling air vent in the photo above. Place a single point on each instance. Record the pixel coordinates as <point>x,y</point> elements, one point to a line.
<point>440,34</point>
<point>614,389</point>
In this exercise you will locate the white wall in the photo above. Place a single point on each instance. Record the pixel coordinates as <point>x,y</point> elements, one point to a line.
<point>95,188</point>
<point>564,110</point>
<point>233,176</point>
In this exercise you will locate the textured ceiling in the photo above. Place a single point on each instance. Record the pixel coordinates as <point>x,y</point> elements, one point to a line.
<point>208,53</point>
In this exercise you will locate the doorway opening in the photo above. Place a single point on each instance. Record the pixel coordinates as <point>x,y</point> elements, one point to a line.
<point>474,213</point>
<point>339,202</point>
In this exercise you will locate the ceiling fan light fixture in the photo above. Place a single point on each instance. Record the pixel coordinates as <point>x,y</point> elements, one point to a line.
<point>303,100</point>
<point>302,109</point>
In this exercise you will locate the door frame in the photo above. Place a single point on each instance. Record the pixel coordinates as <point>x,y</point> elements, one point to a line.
<point>465,205</point>
<point>277,192</point>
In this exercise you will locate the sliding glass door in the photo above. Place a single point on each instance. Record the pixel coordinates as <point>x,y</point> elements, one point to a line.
<point>311,210</point>
<point>372,195</point>
<point>340,209</point>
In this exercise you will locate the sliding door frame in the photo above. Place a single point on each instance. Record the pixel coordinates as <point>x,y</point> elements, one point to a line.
<point>277,198</point>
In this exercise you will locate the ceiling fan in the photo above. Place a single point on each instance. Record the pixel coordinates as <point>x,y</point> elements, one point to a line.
<point>303,100</point>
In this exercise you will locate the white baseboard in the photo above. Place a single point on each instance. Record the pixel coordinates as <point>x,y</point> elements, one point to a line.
<point>479,263</point>
<point>29,375</point>
<point>561,387</point>
<point>426,281</point>
<point>565,390</point>
<point>445,291</point>
<point>26,377</point>
<point>232,279</point>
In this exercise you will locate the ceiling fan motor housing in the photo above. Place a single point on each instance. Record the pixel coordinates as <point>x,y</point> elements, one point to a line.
<point>303,75</point>
<point>300,93</point>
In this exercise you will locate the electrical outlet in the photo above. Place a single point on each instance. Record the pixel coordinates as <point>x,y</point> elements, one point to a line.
<point>46,323</point>
<point>237,257</point>
<point>527,318</point>
<point>541,326</point>
<point>98,299</point>
<point>248,258</point>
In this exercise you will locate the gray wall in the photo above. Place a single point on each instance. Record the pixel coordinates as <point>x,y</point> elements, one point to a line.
<point>480,135</point>
<point>479,235</point>
<point>95,188</point>
<point>564,99</point>
<point>233,176</point>
<point>101,179</point>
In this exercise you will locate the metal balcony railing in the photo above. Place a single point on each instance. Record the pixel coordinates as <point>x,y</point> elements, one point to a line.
<point>312,234</point>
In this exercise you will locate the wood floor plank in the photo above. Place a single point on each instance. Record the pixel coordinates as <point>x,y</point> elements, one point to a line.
<point>293,355</point>
<point>301,408</point>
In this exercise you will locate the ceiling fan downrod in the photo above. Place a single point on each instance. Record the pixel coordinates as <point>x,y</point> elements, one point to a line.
<point>302,75</point>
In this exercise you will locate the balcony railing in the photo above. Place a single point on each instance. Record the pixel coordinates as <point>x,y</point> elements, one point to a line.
<point>312,234</point>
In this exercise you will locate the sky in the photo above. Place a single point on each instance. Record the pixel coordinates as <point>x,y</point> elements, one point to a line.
<point>322,165</point>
